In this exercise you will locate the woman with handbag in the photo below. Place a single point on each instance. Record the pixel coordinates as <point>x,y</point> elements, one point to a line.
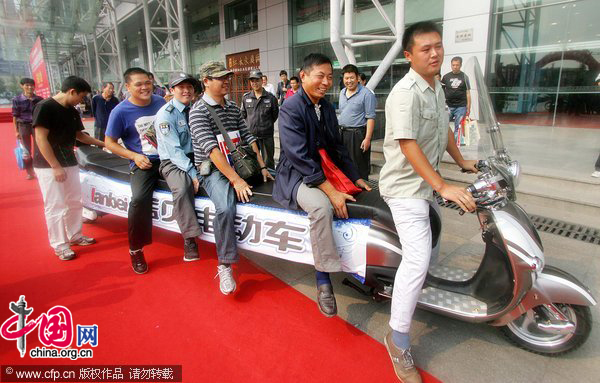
<point>225,154</point>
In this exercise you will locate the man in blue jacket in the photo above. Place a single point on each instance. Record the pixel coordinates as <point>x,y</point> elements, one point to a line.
<point>307,123</point>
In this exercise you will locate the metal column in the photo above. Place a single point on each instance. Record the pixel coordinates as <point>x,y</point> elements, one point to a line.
<point>165,26</point>
<point>168,9</point>
<point>343,45</point>
<point>98,71</point>
<point>183,40</point>
<point>148,33</point>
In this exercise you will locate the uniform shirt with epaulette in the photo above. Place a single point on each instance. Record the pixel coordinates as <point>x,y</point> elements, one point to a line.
<point>416,111</point>
<point>260,113</point>
<point>174,137</point>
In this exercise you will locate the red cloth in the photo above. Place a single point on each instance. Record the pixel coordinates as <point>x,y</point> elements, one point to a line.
<point>334,175</point>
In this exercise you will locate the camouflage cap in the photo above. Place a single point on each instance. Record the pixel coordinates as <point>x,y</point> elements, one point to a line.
<point>213,69</point>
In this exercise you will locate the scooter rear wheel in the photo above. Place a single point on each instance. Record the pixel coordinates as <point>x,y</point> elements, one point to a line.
<point>524,332</point>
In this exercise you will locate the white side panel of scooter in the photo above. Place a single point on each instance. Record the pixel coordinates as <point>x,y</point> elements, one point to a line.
<point>263,230</point>
<point>518,240</point>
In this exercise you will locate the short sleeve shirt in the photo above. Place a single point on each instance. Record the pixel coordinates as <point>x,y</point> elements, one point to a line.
<point>456,87</point>
<point>62,123</point>
<point>135,126</point>
<point>358,108</point>
<point>416,111</point>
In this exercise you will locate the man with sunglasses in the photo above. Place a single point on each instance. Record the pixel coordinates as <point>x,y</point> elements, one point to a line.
<point>219,179</point>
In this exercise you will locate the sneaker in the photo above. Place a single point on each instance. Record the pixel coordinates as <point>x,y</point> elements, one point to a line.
<point>190,250</point>
<point>596,174</point>
<point>138,262</point>
<point>84,241</point>
<point>326,300</point>
<point>404,366</point>
<point>65,255</point>
<point>226,280</point>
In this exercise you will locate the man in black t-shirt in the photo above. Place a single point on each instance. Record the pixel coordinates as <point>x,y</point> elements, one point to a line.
<point>57,125</point>
<point>458,95</point>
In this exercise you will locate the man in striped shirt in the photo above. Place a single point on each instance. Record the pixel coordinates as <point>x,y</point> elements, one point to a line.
<point>221,182</point>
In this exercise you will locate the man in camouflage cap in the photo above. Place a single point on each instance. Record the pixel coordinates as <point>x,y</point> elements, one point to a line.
<point>219,179</point>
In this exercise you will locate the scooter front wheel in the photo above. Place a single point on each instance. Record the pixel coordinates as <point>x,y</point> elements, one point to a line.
<point>525,332</point>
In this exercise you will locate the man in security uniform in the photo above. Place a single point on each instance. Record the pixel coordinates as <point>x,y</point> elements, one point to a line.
<point>176,159</point>
<point>260,109</point>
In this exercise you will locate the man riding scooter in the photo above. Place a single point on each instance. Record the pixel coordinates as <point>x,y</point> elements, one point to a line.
<point>416,137</point>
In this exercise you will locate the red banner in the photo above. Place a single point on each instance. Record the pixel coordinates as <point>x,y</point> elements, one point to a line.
<point>38,70</point>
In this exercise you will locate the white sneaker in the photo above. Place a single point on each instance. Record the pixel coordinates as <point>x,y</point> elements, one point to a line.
<point>596,174</point>
<point>226,280</point>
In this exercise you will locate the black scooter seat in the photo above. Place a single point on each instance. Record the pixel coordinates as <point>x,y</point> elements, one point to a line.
<point>368,205</point>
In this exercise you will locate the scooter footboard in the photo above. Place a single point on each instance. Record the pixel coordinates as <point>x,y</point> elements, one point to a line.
<point>553,285</point>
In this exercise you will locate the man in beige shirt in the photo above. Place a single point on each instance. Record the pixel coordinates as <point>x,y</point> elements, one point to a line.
<point>416,137</point>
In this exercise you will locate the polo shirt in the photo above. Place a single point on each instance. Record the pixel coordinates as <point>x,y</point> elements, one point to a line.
<point>205,130</point>
<point>356,109</point>
<point>413,110</point>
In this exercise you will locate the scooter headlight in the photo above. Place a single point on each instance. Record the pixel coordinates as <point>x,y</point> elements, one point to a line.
<point>515,170</point>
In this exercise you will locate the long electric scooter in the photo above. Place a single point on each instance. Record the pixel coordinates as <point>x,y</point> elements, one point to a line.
<point>541,308</point>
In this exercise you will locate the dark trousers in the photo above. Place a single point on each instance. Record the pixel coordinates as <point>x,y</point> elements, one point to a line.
<point>267,150</point>
<point>99,132</point>
<point>139,217</point>
<point>26,132</point>
<point>182,190</point>
<point>352,138</point>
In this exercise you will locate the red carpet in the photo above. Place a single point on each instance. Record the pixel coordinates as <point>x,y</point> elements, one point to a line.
<point>175,314</point>
<point>6,115</point>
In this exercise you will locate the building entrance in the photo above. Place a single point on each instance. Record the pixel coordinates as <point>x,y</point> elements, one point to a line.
<point>241,64</point>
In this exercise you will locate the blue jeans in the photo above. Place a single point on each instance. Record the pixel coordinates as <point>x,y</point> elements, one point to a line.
<point>457,113</point>
<point>222,195</point>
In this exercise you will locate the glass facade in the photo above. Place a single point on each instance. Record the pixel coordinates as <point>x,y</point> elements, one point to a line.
<point>241,17</point>
<point>310,33</point>
<point>544,62</point>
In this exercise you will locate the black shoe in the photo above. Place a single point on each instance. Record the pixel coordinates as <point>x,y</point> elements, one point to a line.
<point>326,300</point>
<point>138,262</point>
<point>190,250</point>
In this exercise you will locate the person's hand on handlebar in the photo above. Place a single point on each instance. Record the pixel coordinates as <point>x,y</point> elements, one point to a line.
<point>469,166</point>
<point>459,195</point>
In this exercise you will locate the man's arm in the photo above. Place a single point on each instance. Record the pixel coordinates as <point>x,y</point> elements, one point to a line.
<point>292,133</point>
<point>140,160</point>
<point>468,86</point>
<point>421,165</point>
<point>16,127</point>
<point>456,155</point>
<point>41,139</point>
<point>468,102</point>
<point>274,108</point>
<point>263,168</point>
<point>87,139</point>
<point>366,143</point>
<point>170,147</point>
<point>242,189</point>
<point>243,109</point>
<point>94,106</point>
<point>15,113</point>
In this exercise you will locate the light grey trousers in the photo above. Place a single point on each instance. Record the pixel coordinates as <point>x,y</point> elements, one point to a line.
<point>320,214</point>
<point>182,190</point>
